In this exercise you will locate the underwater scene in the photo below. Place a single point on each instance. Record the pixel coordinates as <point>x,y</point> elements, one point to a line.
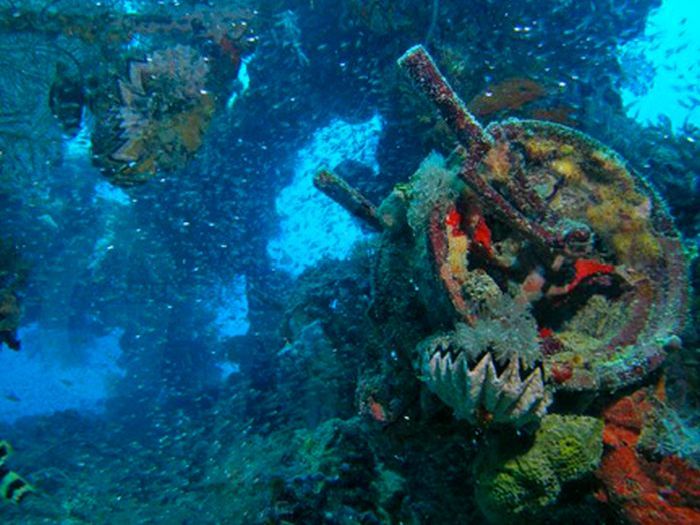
<point>269,262</point>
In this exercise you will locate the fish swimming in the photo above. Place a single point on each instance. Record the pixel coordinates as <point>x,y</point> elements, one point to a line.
<point>12,487</point>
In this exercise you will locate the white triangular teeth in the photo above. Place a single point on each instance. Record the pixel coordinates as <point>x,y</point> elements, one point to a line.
<point>471,391</point>
<point>511,387</point>
<point>477,377</point>
<point>532,394</point>
<point>460,378</point>
<point>491,387</point>
<point>446,368</point>
<point>433,364</point>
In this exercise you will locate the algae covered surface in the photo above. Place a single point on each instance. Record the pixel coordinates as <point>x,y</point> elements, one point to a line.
<point>349,262</point>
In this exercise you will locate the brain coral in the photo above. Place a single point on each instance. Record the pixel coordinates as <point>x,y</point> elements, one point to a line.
<point>566,448</point>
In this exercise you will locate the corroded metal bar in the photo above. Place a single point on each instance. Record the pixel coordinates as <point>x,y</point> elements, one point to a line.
<point>348,197</point>
<point>421,68</point>
<point>506,210</point>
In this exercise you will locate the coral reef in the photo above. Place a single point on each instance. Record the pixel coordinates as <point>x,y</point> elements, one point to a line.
<point>549,274</point>
<point>527,231</point>
<point>507,286</point>
<point>64,65</point>
<point>523,486</point>
<point>544,217</point>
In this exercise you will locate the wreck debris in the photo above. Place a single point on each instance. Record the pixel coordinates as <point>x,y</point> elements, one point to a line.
<point>165,109</point>
<point>348,197</point>
<point>535,238</point>
<point>478,392</point>
<point>424,72</point>
<point>565,201</point>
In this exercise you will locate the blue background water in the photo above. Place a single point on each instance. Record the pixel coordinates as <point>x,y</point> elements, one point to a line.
<point>144,293</point>
<point>310,225</point>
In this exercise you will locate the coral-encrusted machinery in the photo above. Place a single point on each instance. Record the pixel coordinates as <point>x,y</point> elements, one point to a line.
<point>544,263</point>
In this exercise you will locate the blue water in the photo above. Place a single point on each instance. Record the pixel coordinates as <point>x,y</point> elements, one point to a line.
<point>202,334</point>
<point>669,48</point>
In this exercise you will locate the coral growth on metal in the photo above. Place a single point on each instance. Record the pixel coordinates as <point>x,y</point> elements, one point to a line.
<point>553,265</point>
<point>555,221</point>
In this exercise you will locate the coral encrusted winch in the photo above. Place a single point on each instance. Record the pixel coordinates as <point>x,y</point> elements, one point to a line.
<point>544,262</point>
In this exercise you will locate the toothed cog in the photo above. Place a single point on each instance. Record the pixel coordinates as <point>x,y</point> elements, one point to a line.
<point>477,392</point>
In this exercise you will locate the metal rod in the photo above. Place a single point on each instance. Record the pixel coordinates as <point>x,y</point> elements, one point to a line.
<point>421,68</point>
<point>348,197</point>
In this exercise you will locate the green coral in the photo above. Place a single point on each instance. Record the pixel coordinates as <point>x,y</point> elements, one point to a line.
<point>670,433</point>
<point>521,485</point>
<point>573,444</point>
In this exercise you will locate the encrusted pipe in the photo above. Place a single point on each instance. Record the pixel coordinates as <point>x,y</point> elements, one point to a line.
<point>500,205</point>
<point>348,197</point>
<point>421,68</point>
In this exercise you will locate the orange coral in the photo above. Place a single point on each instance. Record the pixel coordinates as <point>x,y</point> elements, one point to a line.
<point>482,235</point>
<point>586,268</point>
<point>651,493</point>
<point>648,492</point>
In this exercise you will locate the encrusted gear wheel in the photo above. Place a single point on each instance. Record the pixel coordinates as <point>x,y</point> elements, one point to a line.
<point>599,264</point>
<point>540,257</point>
